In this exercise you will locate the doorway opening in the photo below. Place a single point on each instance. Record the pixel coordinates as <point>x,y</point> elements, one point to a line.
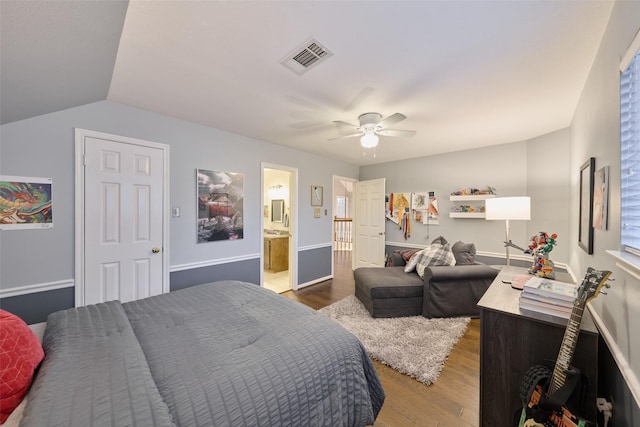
<point>343,213</point>
<point>278,224</point>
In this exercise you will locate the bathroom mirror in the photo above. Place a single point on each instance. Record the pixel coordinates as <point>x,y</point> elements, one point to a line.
<point>277,210</point>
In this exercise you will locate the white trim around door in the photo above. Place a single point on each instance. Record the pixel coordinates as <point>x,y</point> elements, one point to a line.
<point>80,136</point>
<point>293,222</point>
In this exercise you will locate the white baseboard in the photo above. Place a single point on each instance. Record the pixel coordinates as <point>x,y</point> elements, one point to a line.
<point>502,255</point>
<point>38,287</point>
<point>211,262</point>
<point>318,246</point>
<point>406,245</point>
<point>313,282</point>
<point>527,258</point>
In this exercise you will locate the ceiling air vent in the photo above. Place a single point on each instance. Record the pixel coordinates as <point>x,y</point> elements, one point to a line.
<point>306,56</point>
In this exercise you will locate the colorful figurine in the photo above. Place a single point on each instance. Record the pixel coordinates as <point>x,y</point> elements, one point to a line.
<point>539,246</point>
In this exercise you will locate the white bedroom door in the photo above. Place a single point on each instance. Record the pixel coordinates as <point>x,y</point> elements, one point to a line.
<point>124,219</point>
<point>369,224</point>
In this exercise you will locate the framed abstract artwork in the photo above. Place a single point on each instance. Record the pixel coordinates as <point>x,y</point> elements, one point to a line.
<point>25,203</point>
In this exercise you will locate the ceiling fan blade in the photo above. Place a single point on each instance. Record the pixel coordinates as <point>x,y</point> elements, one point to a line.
<point>364,93</point>
<point>391,120</point>
<point>306,124</point>
<point>341,123</point>
<point>391,132</point>
<point>346,136</point>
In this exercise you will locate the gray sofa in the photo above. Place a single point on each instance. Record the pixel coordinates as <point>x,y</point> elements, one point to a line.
<point>445,291</point>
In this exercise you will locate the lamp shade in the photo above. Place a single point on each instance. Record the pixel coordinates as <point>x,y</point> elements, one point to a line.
<point>506,208</point>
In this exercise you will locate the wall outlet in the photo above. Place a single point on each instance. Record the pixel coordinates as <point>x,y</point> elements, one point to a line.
<point>175,212</point>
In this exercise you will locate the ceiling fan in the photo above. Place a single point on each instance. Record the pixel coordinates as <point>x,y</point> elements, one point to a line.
<point>372,125</point>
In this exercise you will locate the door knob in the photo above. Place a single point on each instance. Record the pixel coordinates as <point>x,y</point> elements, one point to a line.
<point>155,250</point>
<point>381,233</point>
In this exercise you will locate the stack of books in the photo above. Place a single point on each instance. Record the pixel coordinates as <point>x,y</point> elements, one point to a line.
<point>547,296</point>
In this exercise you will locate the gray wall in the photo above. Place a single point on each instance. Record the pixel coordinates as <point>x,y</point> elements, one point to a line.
<point>595,132</point>
<point>44,147</point>
<point>536,168</point>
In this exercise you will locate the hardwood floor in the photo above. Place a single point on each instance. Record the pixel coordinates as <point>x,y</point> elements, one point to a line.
<point>452,401</point>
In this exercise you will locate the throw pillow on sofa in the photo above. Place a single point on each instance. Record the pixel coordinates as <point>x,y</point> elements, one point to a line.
<point>394,258</point>
<point>409,255</point>
<point>439,240</point>
<point>411,263</point>
<point>464,253</point>
<point>435,255</point>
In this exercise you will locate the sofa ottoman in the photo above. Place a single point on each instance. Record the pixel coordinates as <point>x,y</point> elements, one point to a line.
<point>389,292</point>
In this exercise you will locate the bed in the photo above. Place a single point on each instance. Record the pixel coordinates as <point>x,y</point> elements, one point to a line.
<point>227,353</point>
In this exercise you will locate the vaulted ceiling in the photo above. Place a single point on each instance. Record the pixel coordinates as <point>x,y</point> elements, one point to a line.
<point>465,73</point>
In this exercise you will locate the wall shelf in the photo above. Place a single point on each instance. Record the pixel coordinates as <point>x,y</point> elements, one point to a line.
<point>471,198</point>
<point>474,200</point>
<point>466,214</point>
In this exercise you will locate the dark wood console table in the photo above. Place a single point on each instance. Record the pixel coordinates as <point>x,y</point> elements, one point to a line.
<point>511,341</point>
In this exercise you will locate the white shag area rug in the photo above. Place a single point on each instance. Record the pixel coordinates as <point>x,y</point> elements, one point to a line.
<point>415,346</point>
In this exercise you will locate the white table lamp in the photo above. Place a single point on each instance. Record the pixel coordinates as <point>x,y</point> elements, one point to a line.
<point>508,208</point>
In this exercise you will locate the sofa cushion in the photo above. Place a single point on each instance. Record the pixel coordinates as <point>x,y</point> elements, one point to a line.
<point>434,255</point>
<point>464,253</point>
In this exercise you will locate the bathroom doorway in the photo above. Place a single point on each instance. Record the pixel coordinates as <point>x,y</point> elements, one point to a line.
<point>279,253</point>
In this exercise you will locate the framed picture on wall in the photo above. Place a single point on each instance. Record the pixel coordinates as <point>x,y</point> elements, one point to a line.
<point>601,198</point>
<point>27,203</point>
<point>220,198</point>
<point>316,195</point>
<point>585,219</point>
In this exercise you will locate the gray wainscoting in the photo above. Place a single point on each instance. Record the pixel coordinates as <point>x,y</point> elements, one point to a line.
<point>613,387</point>
<point>314,264</point>
<point>246,270</point>
<point>35,307</point>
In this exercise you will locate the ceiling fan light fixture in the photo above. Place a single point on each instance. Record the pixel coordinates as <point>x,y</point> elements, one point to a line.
<point>369,139</point>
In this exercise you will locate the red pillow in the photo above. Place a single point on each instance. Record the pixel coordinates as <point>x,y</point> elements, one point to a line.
<point>20,354</point>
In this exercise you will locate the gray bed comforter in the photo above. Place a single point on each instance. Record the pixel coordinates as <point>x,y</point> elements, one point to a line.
<point>222,354</point>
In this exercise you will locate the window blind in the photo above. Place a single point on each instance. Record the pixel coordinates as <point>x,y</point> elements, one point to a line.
<point>630,155</point>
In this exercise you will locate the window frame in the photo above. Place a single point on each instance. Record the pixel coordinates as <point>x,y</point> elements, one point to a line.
<point>629,87</point>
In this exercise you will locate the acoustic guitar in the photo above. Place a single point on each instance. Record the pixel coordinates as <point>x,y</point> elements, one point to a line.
<point>545,393</point>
